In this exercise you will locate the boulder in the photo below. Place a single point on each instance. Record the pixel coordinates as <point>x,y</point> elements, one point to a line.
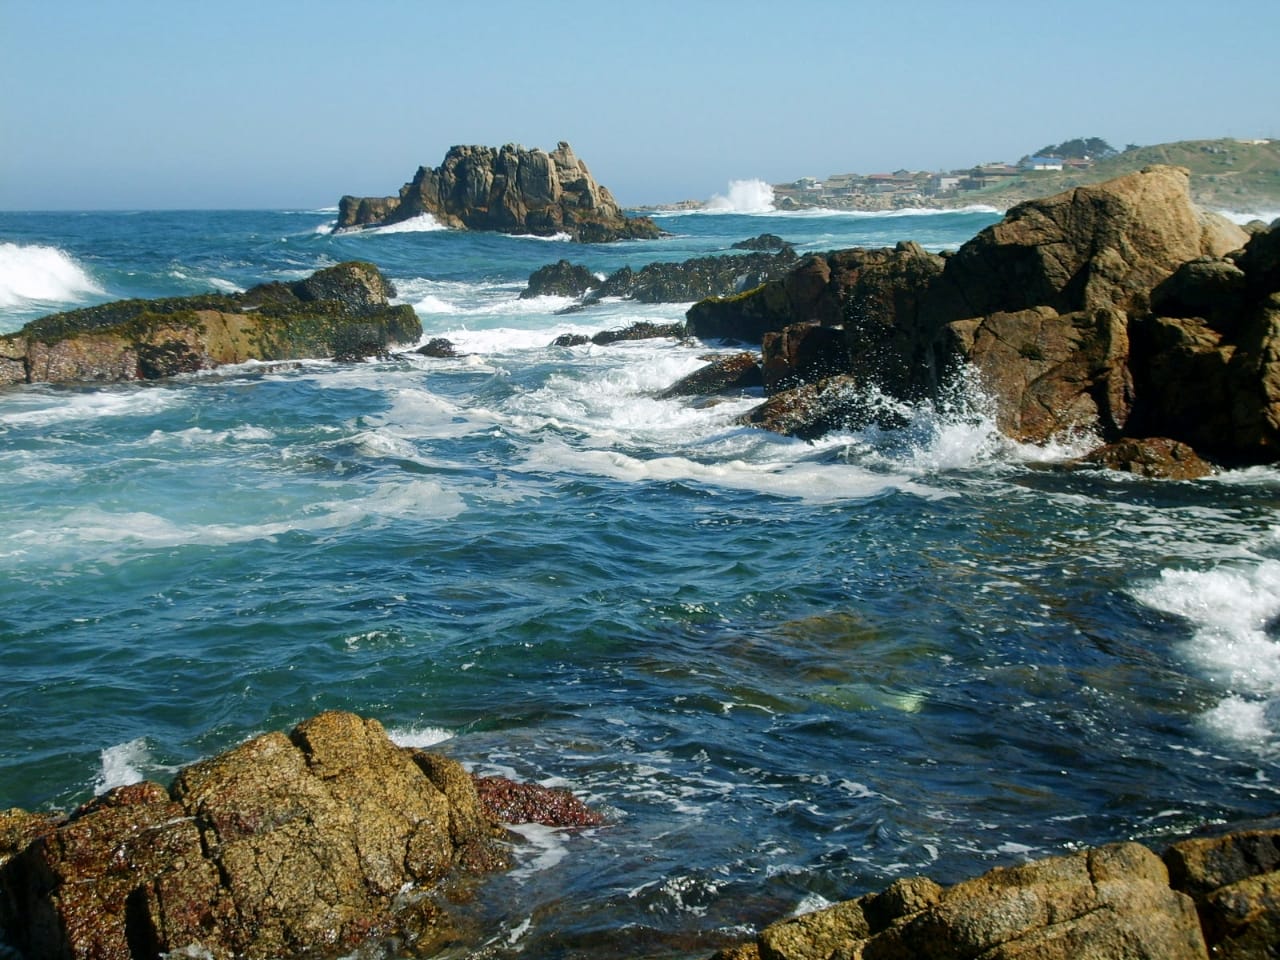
<point>1104,245</point>
<point>508,801</point>
<point>696,278</point>
<point>559,279</point>
<point>508,189</point>
<point>1089,311</point>
<point>342,311</point>
<point>1235,882</point>
<point>1111,903</point>
<point>813,409</point>
<point>640,330</point>
<point>765,241</point>
<point>285,845</point>
<point>1051,374</point>
<point>439,347</point>
<point>1152,457</point>
<point>741,371</point>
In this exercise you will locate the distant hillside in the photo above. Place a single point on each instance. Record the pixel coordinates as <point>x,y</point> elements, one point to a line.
<point>1225,174</point>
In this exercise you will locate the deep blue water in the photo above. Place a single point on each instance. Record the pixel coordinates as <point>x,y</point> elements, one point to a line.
<point>790,672</point>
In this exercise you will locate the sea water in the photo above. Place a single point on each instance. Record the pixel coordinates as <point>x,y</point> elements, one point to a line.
<point>787,672</point>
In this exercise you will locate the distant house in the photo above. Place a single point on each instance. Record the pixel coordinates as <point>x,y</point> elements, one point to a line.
<point>988,175</point>
<point>942,183</point>
<point>1042,163</point>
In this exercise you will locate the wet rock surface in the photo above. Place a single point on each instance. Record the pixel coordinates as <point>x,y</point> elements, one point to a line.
<point>309,843</point>
<point>341,312</point>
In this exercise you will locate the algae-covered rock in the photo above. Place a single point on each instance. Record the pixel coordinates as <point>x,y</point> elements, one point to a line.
<point>342,311</point>
<point>286,845</point>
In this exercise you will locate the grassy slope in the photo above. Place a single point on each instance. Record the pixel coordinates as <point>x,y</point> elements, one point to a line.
<point>1225,175</point>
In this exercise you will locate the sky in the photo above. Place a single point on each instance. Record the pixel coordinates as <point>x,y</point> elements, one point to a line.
<point>134,104</point>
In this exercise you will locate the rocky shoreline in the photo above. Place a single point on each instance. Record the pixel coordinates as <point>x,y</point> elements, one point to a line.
<point>332,838</point>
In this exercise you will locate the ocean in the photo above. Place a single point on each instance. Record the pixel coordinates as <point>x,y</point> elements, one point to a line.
<point>788,672</point>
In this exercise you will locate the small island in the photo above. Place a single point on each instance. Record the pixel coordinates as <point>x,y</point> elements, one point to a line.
<point>508,190</point>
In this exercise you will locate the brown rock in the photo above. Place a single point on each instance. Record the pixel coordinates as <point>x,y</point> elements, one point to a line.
<point>802,353</point>
<point>508,189</point>
<point>510,802</point>
<point>813,409</point>
<point>1051,374</point>
<point>1154,457</point>
<point>1112,903</point>
<point>1235,880</point>
<point>1101,246</point>
<point>342,310</point>
<point>741,371</point>
<point>820,935</point>
<point>284,845</point>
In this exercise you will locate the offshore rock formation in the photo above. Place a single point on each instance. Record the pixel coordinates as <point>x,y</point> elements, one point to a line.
<point>342,311</point>
<point>1092,310</point>
<point>693,279</point>
<point>509,190</point>
<point>1207,897</point>
<point>305,844</point>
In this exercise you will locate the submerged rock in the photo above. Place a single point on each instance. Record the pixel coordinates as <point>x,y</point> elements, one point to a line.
<point>342,311</point>
<point>741,371</point>
<point>509,190</point>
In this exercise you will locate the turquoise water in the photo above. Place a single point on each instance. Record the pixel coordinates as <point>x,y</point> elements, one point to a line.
<point>789,672</point>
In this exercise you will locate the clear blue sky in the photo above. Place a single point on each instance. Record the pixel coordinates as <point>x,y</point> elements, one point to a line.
<point>108,104</point>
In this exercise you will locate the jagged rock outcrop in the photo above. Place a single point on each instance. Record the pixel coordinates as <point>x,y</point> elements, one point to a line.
<point>1155,457</point>
<point>309,844</point>
<point>1207,897</point>
<point>507,189</point>
<point>739,371</point>
<point>281,846</point>
<point>342,311</point>
<point>693,279</point>
<point>1090,311</point>
<point>640,330</point>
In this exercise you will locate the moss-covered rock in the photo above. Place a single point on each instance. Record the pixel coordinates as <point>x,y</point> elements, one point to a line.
<point>342,311</point>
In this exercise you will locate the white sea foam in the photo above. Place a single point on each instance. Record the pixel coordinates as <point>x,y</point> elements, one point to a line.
<point>34,274</point>
<point>422,223</point>
<point>419,737</point>
<point>546,848</point>
<point>1244,216</point>
<point>39,410</point>
<point>386,502</point>
<point>122,765</point>
<point>1231,609</point>
<point>743,196</point>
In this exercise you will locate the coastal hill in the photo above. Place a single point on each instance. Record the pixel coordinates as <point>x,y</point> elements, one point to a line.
<point>1226,174</point>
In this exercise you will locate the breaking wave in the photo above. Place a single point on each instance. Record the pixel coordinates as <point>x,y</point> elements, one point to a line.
<point>744,196</point>
<point>36,274</point>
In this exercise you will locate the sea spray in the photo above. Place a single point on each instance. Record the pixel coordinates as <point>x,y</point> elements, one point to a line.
<point>744,196</point>
<point>39,274</point>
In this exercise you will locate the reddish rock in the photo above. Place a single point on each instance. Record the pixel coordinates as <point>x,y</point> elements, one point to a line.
<point>510,802</point>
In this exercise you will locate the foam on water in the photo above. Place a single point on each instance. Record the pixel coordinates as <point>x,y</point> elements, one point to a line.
<point>419,737</point>
<point>743,196</point>
<point>1234,612</point>
<point>40,409</point>
<point>34,274</point>
<point>1242,217</point>
<point>122,765</point>
<point>422,223</point>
